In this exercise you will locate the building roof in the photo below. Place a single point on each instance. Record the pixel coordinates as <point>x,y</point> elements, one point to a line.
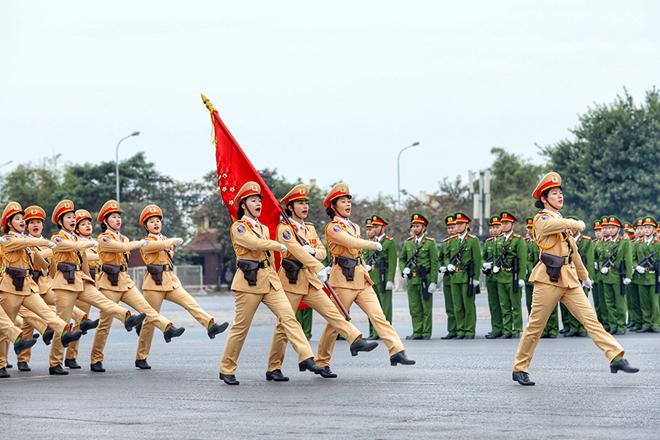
<point>204,242</point>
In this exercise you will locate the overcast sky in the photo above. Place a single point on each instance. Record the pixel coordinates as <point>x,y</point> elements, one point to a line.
<point>328,92</point>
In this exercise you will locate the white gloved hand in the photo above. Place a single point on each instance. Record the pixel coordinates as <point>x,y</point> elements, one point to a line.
<point>475,283</point>
<point>626,281</point>
<point>178,241</point>
<point>604,270</point>
<point>451,268</point>
<point>282,248</point>
<point>443,269</point>
<point>310,250</point>
<point>587,284</point>
<point>496,269</point>
<point>389,285</point>
<point>322,275</point>
<point>487,265</point>
<point>379,247</point>
<point>51,244</point>
<point>406,271</point>
<point>581,225</point>
<point>328,269</point>
<point>521,283</point>
<point>595,264</point>
<point>433,287</point>
<point>95,244</point>
<point>368,267</point>
<point>640,269</point>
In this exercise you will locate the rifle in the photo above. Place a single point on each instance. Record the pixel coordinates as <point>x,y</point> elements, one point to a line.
<point>646,262</point>
<point>514,270</point>
<point>421,272</point>
<point>382,269</point>
<point>471,288</point>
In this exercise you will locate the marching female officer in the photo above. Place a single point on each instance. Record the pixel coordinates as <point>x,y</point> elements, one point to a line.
<point>350,278</point>
<point>302,275</point>
<point>160,283</point>
<point>255,282</point>
<point>115,283</point>
<point>560,276</point>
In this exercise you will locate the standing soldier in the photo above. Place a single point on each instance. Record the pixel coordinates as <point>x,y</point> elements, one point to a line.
<point>464,265</point>
<point>488,257</point>
<point>383,269</point>
<point>510,267</point>
<point>161,283</point>
<point>443,255</point>
<point>645,259</point>
<point>586,251</point>
<point>419,264</point>
<point>115,283</point>
<point>551,329</point>
<point>597,290</point>
<point>616,267</point>
<point>635,320</point>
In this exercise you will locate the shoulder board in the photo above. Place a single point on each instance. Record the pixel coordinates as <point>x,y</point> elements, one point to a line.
<point>586,237</point>
<point>491,238</point>
<point>472,236</point>
<point>446,239</point>
<point>106,234</point>
<point>389,237</point>
<point>150,237</point>
<point>309,223</point>
<point>430,238</point>
<point>517,235</point>
<point>410,238</point>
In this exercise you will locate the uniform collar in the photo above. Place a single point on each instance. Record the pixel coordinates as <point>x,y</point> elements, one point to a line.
<point>552,213</point>
<point>250,220</point>
<point>419,239</point>
<point>463,235</point>
<point>115,234</point>
<point>156,236</point>
<point>380,238</point>
<point>343,220</point>
<point>68,234</point>
<point>298,225</point>
<point>16,234</point>
<point>507,235</point>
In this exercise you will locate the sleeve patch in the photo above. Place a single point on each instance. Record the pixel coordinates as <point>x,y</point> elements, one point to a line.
<point>286,235</point>
<point>336,228</point>
<point>58,239</point>
<point>545,217</point>
<point>106,239</point>
<point>241,229</point>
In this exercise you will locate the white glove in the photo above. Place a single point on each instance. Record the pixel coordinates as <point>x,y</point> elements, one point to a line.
<point>626,281</point>
<point>2,240</point>
<point>322,275</point>
<point>640,269</point>
<point>368,267</point>
<point>379,247</point>
<point>487,265</point>
<point>143,242</point>
<point>95,244</point>
<point>51,245</point>
<point>282,248</point>
<point>595,264</point>
<point>389,285</point>
<point>443,269</point>
<point>406,271</point>
<point>433,287</point>
<point>451,268</point>
<point>587,284</point>
<point>521,283</point>
<point>178,241</point>
<point>581,225</point>
<point>475,283</point>
<point>328,269</point>
<point>310,250</point>
<point>496,269</point>
<point>604,270</point>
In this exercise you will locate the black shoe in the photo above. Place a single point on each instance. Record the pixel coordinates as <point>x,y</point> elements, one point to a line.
<point>491,335</point>
<point>401,358</point>
<point>562,331</point>
<point>97,367</point>
<point>72,364</point>
<point>622,365</point>
<point>619,332</point>
<point>70,337</point>
<point>372,338</point>
<point>552,336</point>
<point>449,336</point>
<point>507,336</point>
<point>469,336</point>
<point>216,329</point>
<point>133,321</point>
<point>35,335</point>
<point>426,338</point>
<point>9,366</point>
<point>641,330</point>
<point>229,379</point>
<point>522,378</point>
<point>4,374</point>
<point>545,336</point>
<point>460,336</point>
<point>142,364</point>
<point>308,364</point>
<point>327,373</point>
<point>515,335</point>
<point>23,344</point>
<point>581,334</point>
<point>340,338</point>
<point>88,324</point>
<point>47,337</point>
<point>173,332</point>
<point>276,376</point>
<point>23,366</point>
<point>57,370</point>
<point>411,337</point>
<point>612,331</point>
<point>362,345</point>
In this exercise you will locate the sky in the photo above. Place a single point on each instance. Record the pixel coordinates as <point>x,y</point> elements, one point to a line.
<point>318,90</point>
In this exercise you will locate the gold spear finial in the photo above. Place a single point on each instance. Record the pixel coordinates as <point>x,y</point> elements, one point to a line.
<point>208,104</point>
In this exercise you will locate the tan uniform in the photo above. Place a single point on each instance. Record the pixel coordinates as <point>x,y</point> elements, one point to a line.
<point>553,237</point>
<point>307,288</point>
<point>343,239</point>
<point>251,242</point>
<point>113,249</point>
<point>16,253</point>
<point>159,251</point>
<point>94,268</point>
<point>7,329</point>
<point>70,250</point>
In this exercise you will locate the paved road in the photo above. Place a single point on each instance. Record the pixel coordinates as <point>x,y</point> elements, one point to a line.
<point>458,389</point>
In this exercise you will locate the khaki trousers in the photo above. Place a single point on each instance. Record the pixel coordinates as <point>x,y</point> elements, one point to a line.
<point>66,301</point>
<point>367,301</point>
<point>12,303</point>
<point>133,298</point>
<point>72,348</point>
<point>8,330</point>
<point>155,299</point>
<point>319,301</point>
<point>245,306</point>
<point>544,301</point>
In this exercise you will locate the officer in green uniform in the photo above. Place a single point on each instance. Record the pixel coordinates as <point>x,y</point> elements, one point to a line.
<point>443,252</point>
<point>551,329</point>
<point>383,268</point>
<point>597,290</point>
<point>615,262</point>
<point>464,266</point>
<point>510,267</point>
<point>645,258</point>
<point>635,320</point>
<point>419,264</point>
<point>586,250</point>
<point>488,257</point>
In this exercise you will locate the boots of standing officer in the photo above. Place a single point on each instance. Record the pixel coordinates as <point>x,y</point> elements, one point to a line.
<point>522,377</point>
<point>620,363</point>
<point>449,336</point>
<point>142,364</point>
<point>72,364</point>
<point>276,376</point>
<point>172,332</point>
<point>401,358</point>
<point>216,329</point>
<point>362,345</point>
<point>88,324</point>
<point>491,335</point>
<point>229,379</point>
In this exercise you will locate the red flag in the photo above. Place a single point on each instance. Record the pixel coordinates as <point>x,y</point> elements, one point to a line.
<point>234,169</point>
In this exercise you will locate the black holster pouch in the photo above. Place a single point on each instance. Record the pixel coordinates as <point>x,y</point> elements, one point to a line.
<point>249,269</point>
<point>291,269</point>
<point>17,276</point>
<point>156,272</point>
<point>92,273</point>
<point>347,267</point>
<point>112,270</point>
<point>69,272</point>
<point>553,264</point>
<point>36,274</point>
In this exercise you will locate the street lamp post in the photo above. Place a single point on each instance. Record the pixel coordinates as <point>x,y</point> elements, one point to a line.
<point>135,133</point>
<point>398,171</point>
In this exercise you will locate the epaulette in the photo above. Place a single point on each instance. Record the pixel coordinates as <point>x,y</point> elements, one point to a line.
<point>516,235</point>
<point>447,239</point>
<point>429,238</point>
<point>472,236</point>
<point>491,238</point>
<point>410,238</point>
<point>586,237</point>
<point>389,237</point>
<point>150,237</point>
<point>309,223</point>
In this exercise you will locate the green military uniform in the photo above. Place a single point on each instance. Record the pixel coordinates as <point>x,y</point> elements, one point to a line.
<point>419,262</point>
<point>464,265</point>
<point>646,255</point>
<point>383,270</point>
<point>510,267</point>
<point>615,262</point>
<point>488,258</point>
<point>443,254</point>
<point>598,290</point>
<point>632,294</point>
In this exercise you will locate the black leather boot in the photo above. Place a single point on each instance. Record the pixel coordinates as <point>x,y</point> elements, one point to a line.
<point>622,365</point>
<point>57,370</point>
<point>449,336</point>
<point>23,344</point>
<point>23,366</point>
<point>276,376</point>
<point>308,364</point>
<point>142,364</point>
<point>362,345</point>
<point>133,321</point>
<point>229,379</point>
<point>72,364</point>
<point>88,324</point>
<point>47,337</point>
<point>97,367</point>
<point>70,337</point>
<point>522,378</point>
<point>491,335</point>
<point>216,329</point>
<point>173,332</point>
<point>3,373</point>
<point>327,373</point>
<point>401,358</point>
